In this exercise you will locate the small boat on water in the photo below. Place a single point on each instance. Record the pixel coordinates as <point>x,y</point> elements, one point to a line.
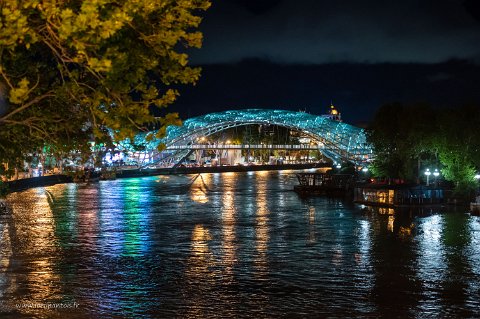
<point>312,184</point>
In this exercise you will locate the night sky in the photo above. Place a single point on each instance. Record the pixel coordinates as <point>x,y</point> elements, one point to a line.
<point>303,54</point>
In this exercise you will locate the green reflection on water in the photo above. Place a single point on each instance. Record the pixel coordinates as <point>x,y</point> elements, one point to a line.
<point>135,212</point>
<point>63,202</point>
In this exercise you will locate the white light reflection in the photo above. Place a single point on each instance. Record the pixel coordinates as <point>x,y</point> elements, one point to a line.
<point>363,260</point>
<point>473,257</point>
<point>364,244</point>
<point>431,264</point>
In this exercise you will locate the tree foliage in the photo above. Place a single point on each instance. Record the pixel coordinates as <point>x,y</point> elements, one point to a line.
<point>449,139</point>
<point>400,136</point>
<point>74,69</point>
<point>457,139</point>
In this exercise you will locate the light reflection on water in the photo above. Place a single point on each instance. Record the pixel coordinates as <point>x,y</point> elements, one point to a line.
<point>238,245</point>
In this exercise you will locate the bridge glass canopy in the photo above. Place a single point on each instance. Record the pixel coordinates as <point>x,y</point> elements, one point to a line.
<point>340,141</point>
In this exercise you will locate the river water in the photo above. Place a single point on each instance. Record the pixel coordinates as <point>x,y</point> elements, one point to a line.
<point>239,245</point>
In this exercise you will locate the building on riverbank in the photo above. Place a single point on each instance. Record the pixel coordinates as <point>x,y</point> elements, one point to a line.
<point>397,195</point>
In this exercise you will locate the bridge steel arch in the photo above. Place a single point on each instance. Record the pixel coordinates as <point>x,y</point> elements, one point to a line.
<point>340,141</point>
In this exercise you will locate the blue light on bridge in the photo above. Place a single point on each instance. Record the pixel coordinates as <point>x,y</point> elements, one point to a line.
<point>340,141</point>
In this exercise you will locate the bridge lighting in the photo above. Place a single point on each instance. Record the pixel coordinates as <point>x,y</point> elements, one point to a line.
<point>334,139</point>
<point>428,173</point>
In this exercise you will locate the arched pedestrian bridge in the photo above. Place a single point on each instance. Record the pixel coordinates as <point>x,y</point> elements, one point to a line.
<point>336,140</point>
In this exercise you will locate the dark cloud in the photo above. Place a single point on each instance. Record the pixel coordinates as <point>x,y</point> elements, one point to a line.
<point>258,7</point>
<point>320,31</point>
<point>303,54</point>
<point>357,89</point>
<point>473,7</point>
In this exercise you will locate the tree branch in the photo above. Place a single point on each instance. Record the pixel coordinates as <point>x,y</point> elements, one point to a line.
<point>27,105</point>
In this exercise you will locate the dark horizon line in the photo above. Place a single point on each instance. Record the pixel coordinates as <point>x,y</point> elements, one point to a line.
<point>265,60</point>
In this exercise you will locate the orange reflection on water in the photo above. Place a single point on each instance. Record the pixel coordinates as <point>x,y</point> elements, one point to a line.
<point>36,242</point>
<point>311,222</point>
<point>199,270</point>
<point>261,227</point>
<point>228,232</point>
<point>391,220</point>
<point>200,252</point>
<point>199,188</point>
<point>262,174</point>
<point>406,231</point>
<point>386,211</point>
<point>88,224</point>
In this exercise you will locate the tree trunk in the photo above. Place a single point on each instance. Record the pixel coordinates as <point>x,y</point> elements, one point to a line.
<point>60,165</point>
<point>43,165</point>
<point>418,170</point>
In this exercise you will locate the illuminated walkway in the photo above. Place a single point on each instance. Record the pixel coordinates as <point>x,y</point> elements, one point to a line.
<point>223,146</point>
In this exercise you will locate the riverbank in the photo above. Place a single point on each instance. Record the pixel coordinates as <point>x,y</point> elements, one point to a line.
<point>42,181</point>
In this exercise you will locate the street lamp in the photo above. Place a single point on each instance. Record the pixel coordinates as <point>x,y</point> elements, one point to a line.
<point>477,177</point>
<point>365,169</point>
<point>428,173</point>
